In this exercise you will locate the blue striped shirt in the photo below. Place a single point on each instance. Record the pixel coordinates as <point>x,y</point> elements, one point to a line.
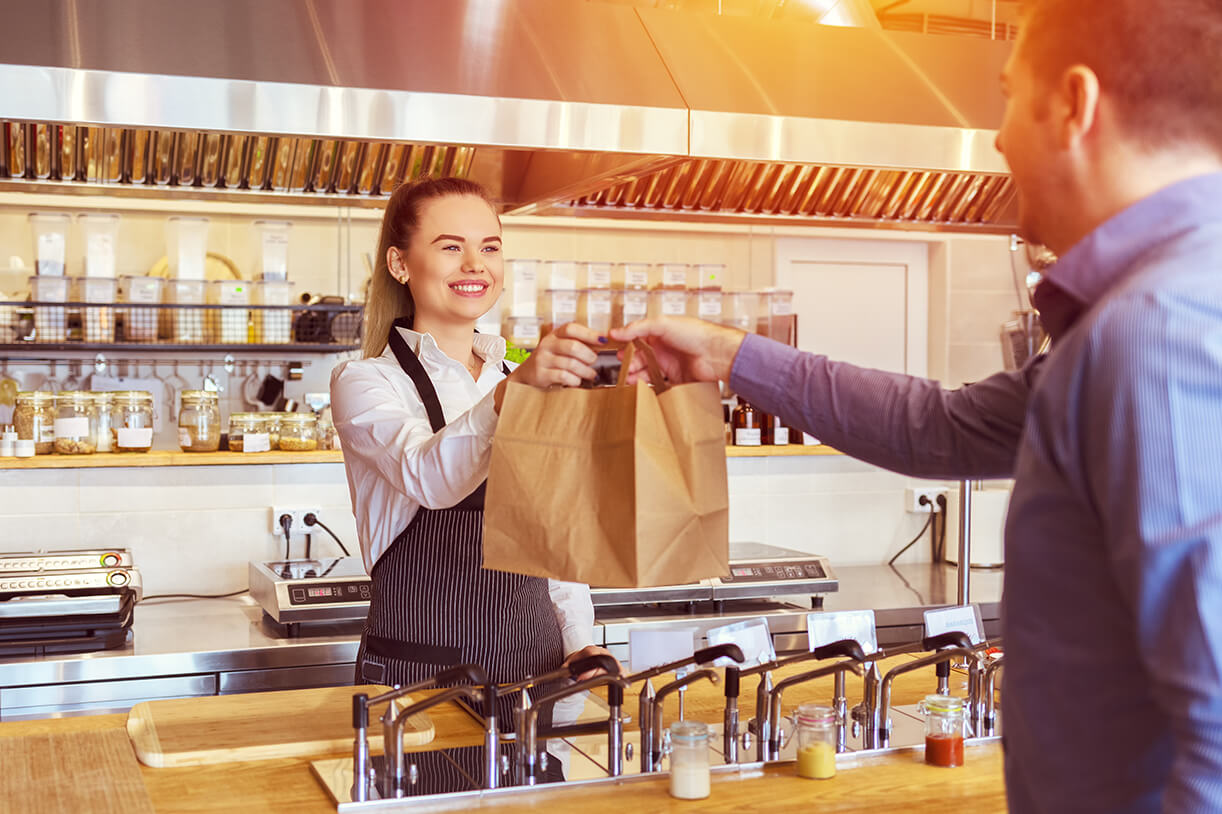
<point>1112,611</point>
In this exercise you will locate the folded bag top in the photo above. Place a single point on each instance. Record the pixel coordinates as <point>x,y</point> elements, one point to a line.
<point>617,487</point>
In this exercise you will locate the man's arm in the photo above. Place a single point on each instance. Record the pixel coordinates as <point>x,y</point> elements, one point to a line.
<point>898,422</point>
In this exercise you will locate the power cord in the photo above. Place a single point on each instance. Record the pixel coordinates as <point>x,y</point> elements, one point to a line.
<point>195,596</point>
<point>941,542</point>
<point>286,523</point>
<point>311,519</point>
<point>924,501</point>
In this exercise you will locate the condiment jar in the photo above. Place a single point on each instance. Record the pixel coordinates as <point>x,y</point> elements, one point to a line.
<point>689,760</point>
<point>271,422</point>
<point>34,417</point>
<point>945,723</point>
<point>816,741</point>
<point>132,421</point>
<point>298,432</point>
<point>103,438</point>
<point>745,425</point>
<point>248,432</point>
<point>75,421</point>
<point>199,421</point>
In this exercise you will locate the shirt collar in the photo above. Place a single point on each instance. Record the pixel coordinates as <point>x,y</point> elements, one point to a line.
<point>489,347</point>
<point>1105,256</point>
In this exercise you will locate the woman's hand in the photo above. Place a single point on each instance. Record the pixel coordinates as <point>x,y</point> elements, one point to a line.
<point>588,650</point>
<point>564,358</point>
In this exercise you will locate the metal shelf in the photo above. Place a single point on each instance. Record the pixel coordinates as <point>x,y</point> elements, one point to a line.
<point>27,348</point>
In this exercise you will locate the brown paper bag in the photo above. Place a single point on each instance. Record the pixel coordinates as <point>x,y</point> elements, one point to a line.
<point>617,487</point>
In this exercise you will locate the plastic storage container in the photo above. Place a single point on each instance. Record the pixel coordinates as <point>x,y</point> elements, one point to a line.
<point>199,421</point>
<point>101,233</point>
<point>738,310</point>
<point>559,307</point>
<point>689,760</point>
<point>676,275</point>
<point>710,275</point>
<point>75,416</point>
<point>630,305</point>
<point>50,321</point>
<point>523,288</point>
<point>524,332</point>
<point>187,247</point>
<point>132,421</point>
<point>273,248</point>
<point>631,275</point>
<point>594,309</point>
<point>185,325</point>
<point>298,432</point>
<point>667,302</point>
<point>229,326</point>
<point>816,741</point>
<point>598,275</point>
<point>249,432</point>
<point>559,275</point>
<point>97,323</point>
<point>776,318</point>
<point>103,438</point>
<point>144,294</point>
<point>273,326</point>
<point>706,304</point>
<point>34,418</point>
<point>50,242</point>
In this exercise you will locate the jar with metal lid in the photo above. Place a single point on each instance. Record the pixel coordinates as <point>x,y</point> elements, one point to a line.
<point>689,760</point>
<point>248,432</point>
<point>945,723</point>
<point>816,741</point>
<point>273,427</point>
<point>34,417</point>
<point>103,438</point>
<point>75,423</point>
<point>298,432</point>
<point>132,421</point>
<point>199,421</point>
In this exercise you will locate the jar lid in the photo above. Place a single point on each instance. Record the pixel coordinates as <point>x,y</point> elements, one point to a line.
<point>200,395</point>
<point>689,731</point>
<point>942,704</point>
<point>247,417</point>
<point>815,715</point>
<point>74,395</point>
<point>35,396</point>
<point>132,395</point>
<point>297,418</point>
<point>103,396</point>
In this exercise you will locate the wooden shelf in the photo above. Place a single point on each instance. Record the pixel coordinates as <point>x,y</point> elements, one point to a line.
<point>785,451</point>
<point>170,458</point>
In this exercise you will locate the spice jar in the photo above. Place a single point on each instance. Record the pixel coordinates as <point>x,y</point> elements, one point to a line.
<point>816,741</point>
<point>945,722</point>
<point>75,420</point>
<point>103,438</point>
<point>132,421</point>
<point>248,432</point>
<point>34,417</point>
<point>745,425</point>
<point>298,432</point>
<point>689,760</point>
<point>199,421</point>
<point>271,422</point>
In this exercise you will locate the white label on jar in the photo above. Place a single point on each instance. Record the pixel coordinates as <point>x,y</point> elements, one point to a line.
<point>782,306</point>
<point>138,437</point>
<point>780,436</point>
<point>99,256</point>
<point>564,303</point>
<point>599,276</point>
<point>143,291</point>
<point>674,275</point>
<point>234,295</point>
<point>599,305</point>
<point>77,427</point>
<point>525,330</point>
<point>635,308</point>
<point>184,437</point>
<point>747,438</point>
<point>674,305</point>
<point>46,433</point>
<point>636,277</point>
<point>51,249</point>
<point>256,442</point>
<point>710,306</point>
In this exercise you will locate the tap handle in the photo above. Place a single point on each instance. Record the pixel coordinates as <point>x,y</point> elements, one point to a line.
<point>462,674</point>
<point>733,678</point>
<point>615,695</point>
<point>599,661</point>
<point>846,648</point>
<point>360,711</point>
<point>951,638</point>
<point>942,669</point>
<point>708,654</point>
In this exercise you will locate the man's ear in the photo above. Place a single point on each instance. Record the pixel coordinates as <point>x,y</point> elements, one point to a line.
<point>1077,104</point>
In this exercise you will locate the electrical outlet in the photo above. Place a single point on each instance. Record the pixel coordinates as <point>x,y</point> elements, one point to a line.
<point>912,498</point>
<point>299,528</point>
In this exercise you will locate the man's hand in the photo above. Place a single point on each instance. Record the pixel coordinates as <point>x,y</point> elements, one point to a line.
<point>688,350</point>
<point>588,650</point>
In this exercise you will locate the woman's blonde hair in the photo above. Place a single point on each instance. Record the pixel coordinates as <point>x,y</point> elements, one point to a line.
<point>388,299</point>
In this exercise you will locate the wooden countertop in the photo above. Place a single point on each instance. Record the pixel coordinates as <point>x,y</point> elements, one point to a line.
<point>875,784</point>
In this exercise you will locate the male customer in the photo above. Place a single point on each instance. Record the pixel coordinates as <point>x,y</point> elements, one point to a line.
<point>1112,610</point>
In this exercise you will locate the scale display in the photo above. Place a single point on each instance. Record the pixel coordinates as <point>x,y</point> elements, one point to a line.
<point>331,592</point>
<point>775,571</point>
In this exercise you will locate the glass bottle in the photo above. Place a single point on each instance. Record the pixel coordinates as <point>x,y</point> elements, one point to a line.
<point>298,432</point>
<point>34,417</point>
<point>745,423</point>
<point>75,420</point>
<point>103,405</point>
<point>689,760</point>
<point>132,421</point>
<point>199,421</point>
<point>945,722</point>
<point>816,741</point>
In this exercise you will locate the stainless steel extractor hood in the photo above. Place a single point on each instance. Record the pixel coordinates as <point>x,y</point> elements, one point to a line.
<point>556,105</point>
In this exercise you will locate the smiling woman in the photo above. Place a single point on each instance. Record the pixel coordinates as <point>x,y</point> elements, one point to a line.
<point>416,417</point>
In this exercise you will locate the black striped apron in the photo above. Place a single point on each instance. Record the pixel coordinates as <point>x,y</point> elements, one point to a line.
<point>435,606</point>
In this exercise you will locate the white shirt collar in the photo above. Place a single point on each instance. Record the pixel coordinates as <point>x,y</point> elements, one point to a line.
<point>489,347</point>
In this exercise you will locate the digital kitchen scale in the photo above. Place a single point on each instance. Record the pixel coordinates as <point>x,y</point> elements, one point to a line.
<point>325,590</point>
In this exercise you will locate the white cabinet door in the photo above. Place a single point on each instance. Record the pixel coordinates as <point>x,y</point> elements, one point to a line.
<point>859,301</point>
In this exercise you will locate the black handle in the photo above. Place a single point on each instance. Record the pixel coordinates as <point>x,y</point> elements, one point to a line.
<point>360,711</point>
<point>717,651</point>
<point>951,638</point>
<point>733,679</point>
<point>462,674</point>
<point>847,648</point>
<point>942,669</point>
<point>615,695</point>
<point>598,661</point>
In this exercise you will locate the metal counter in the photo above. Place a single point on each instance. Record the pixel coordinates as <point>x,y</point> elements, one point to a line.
<point>219,646</point>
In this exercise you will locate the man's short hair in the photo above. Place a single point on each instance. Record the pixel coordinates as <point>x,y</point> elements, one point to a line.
<point>1159,62</point>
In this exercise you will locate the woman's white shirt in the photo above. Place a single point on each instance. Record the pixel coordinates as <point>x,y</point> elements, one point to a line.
<point>397,465</point>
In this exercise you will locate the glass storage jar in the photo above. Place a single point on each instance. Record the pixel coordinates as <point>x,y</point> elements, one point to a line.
<point>945,723</point>
<point>75,422</point>
<point>689,760</point>
<point>298,432</point>
<point>34,417</point>
<point>199,421</point>
<point>816,741</point>
<point>132,421</point>
<point>103,438</point>
<point>248,432</point>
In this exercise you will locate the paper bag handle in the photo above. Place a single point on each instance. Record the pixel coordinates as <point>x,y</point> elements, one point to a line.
<point>651,362</point>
